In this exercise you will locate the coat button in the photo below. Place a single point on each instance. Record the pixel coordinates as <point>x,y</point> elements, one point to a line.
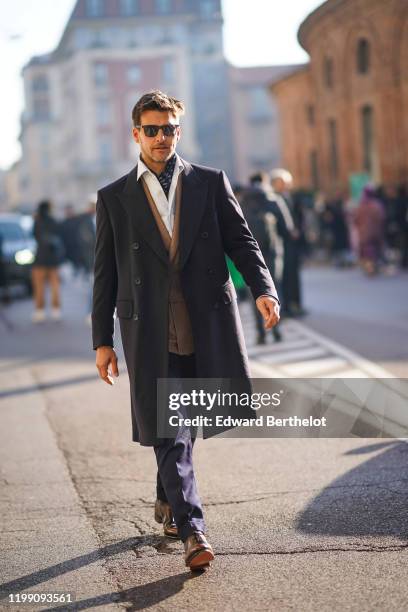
<point>135,317</point>
<point>204,235</point>
<point>135,246</point>
<point>210,271</point>
<point>138,281</point>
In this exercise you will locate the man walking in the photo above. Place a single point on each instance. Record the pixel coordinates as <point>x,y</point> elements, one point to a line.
<point>282,181</point>
<point>162,232</point>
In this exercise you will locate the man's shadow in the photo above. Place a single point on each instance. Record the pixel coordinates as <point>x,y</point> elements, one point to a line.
<point>369,500</point>
<point>140,597</point>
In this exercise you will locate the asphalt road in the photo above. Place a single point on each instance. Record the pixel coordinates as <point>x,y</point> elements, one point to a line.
<point>296,524</point>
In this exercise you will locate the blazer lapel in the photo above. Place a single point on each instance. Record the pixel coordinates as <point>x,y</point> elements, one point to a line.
<point>134,201</point>
<point>193,201</point>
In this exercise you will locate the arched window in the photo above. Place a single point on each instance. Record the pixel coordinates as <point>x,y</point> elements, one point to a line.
<point>40,83</point>
<point>333,149</point>
<point>367,137</point>
<point>363,56</point>
<point>328,72</point>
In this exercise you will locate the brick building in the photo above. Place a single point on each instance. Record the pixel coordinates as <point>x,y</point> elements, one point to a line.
<point>346,112</point>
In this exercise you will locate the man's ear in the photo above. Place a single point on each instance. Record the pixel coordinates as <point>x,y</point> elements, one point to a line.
<point>136,135</point>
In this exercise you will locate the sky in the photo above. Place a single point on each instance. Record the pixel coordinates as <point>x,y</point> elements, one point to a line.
<point>256,32</point>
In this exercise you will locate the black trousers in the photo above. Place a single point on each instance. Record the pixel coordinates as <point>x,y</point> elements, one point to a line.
<point>176,482</point>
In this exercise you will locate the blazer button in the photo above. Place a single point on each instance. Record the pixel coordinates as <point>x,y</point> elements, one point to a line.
<point>135,246</point>
<point>204,235</point>
<point>210,271</point>
<point>135,317</point>
<point>138,281</point>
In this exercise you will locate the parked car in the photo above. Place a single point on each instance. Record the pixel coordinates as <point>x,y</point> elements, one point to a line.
<point>17,250</point>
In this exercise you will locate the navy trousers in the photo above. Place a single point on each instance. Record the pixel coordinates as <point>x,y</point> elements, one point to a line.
<point>176,482</point>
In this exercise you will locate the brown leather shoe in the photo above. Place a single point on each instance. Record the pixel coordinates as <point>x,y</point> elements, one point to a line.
<point>163,514</point>
<point>198,552</point>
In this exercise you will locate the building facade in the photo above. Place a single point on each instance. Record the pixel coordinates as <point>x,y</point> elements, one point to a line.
<point>255,119</point>
<point>346,113</point>
<point>76,127</point>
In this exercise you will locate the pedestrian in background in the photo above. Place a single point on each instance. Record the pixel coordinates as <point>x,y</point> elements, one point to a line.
<point>69,235</point>
<point>369,220</point>
<point>282,181</point>
<point>336,220</point>
<point>403,216</point>
<point>268,226</point>
<point>49,256</point>
<point>86,246</point>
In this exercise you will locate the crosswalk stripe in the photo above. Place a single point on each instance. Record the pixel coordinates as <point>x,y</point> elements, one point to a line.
<point>304,352</point>
<point>315,367</point>
<point>278,347</point>
<point>296,355</point>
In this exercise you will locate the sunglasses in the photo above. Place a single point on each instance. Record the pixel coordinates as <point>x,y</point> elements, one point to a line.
<point>169,129</point>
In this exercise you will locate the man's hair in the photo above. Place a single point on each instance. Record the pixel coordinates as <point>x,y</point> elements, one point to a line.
<point>257,177</point>
<point>156,100</point>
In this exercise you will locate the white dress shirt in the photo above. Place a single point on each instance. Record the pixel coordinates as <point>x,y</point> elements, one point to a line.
<point>165,206</point>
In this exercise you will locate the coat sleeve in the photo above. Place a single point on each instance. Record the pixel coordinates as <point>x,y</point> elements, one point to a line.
<point>240,245</point>
<point>105,279</point>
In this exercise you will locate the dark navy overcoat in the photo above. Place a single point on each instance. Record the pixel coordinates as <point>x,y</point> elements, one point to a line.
<point>132,275</point>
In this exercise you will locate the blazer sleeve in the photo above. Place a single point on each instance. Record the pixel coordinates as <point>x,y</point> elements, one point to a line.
<point>239,243</point>
<point>105,279</point>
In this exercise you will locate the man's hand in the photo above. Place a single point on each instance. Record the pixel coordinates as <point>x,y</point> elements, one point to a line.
<point>105,356</point>
<point>269,309</point>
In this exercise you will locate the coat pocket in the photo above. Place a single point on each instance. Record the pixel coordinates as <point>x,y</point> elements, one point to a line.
<point>227,294</point>
<point>124,309</point>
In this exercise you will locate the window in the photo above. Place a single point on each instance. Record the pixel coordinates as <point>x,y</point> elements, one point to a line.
<point>105,149</point>
<point>82,38</point>
<point>333,154</point>
<point>363,56</point>
<point>129,7</point>
<point>314,170</point>
<point>134,74</point>
<point>367,133</point>
<point>310,114</point>
<point>94,8</point>
<point>328,72</point>
<point>100,38</point>
<point>163,6</point>
<point>258,99</point>
<point>40,83</point>
<point>100,74</point>
<point>103,112</point>
<point>41,109</point>
<point>207,9</point>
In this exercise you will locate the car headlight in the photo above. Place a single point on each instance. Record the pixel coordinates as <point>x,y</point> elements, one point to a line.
<point>24,257</point>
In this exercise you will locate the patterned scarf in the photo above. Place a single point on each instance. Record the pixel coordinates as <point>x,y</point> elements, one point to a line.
<point>166,176</point>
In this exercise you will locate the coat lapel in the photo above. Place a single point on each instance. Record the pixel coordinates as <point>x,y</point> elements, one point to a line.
<point>193,201</point>
<point>134,201</point>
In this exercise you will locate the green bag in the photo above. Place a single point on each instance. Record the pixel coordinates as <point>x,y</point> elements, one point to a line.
<point>236,276</point>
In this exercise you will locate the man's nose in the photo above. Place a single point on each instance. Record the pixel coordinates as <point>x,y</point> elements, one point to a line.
<point>160,136</point>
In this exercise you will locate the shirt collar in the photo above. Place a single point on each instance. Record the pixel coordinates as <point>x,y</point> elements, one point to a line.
<point>142,168</point>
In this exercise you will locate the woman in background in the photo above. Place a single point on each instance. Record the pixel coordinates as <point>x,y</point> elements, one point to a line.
<point>50,254</point>
<point>369,220</point>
